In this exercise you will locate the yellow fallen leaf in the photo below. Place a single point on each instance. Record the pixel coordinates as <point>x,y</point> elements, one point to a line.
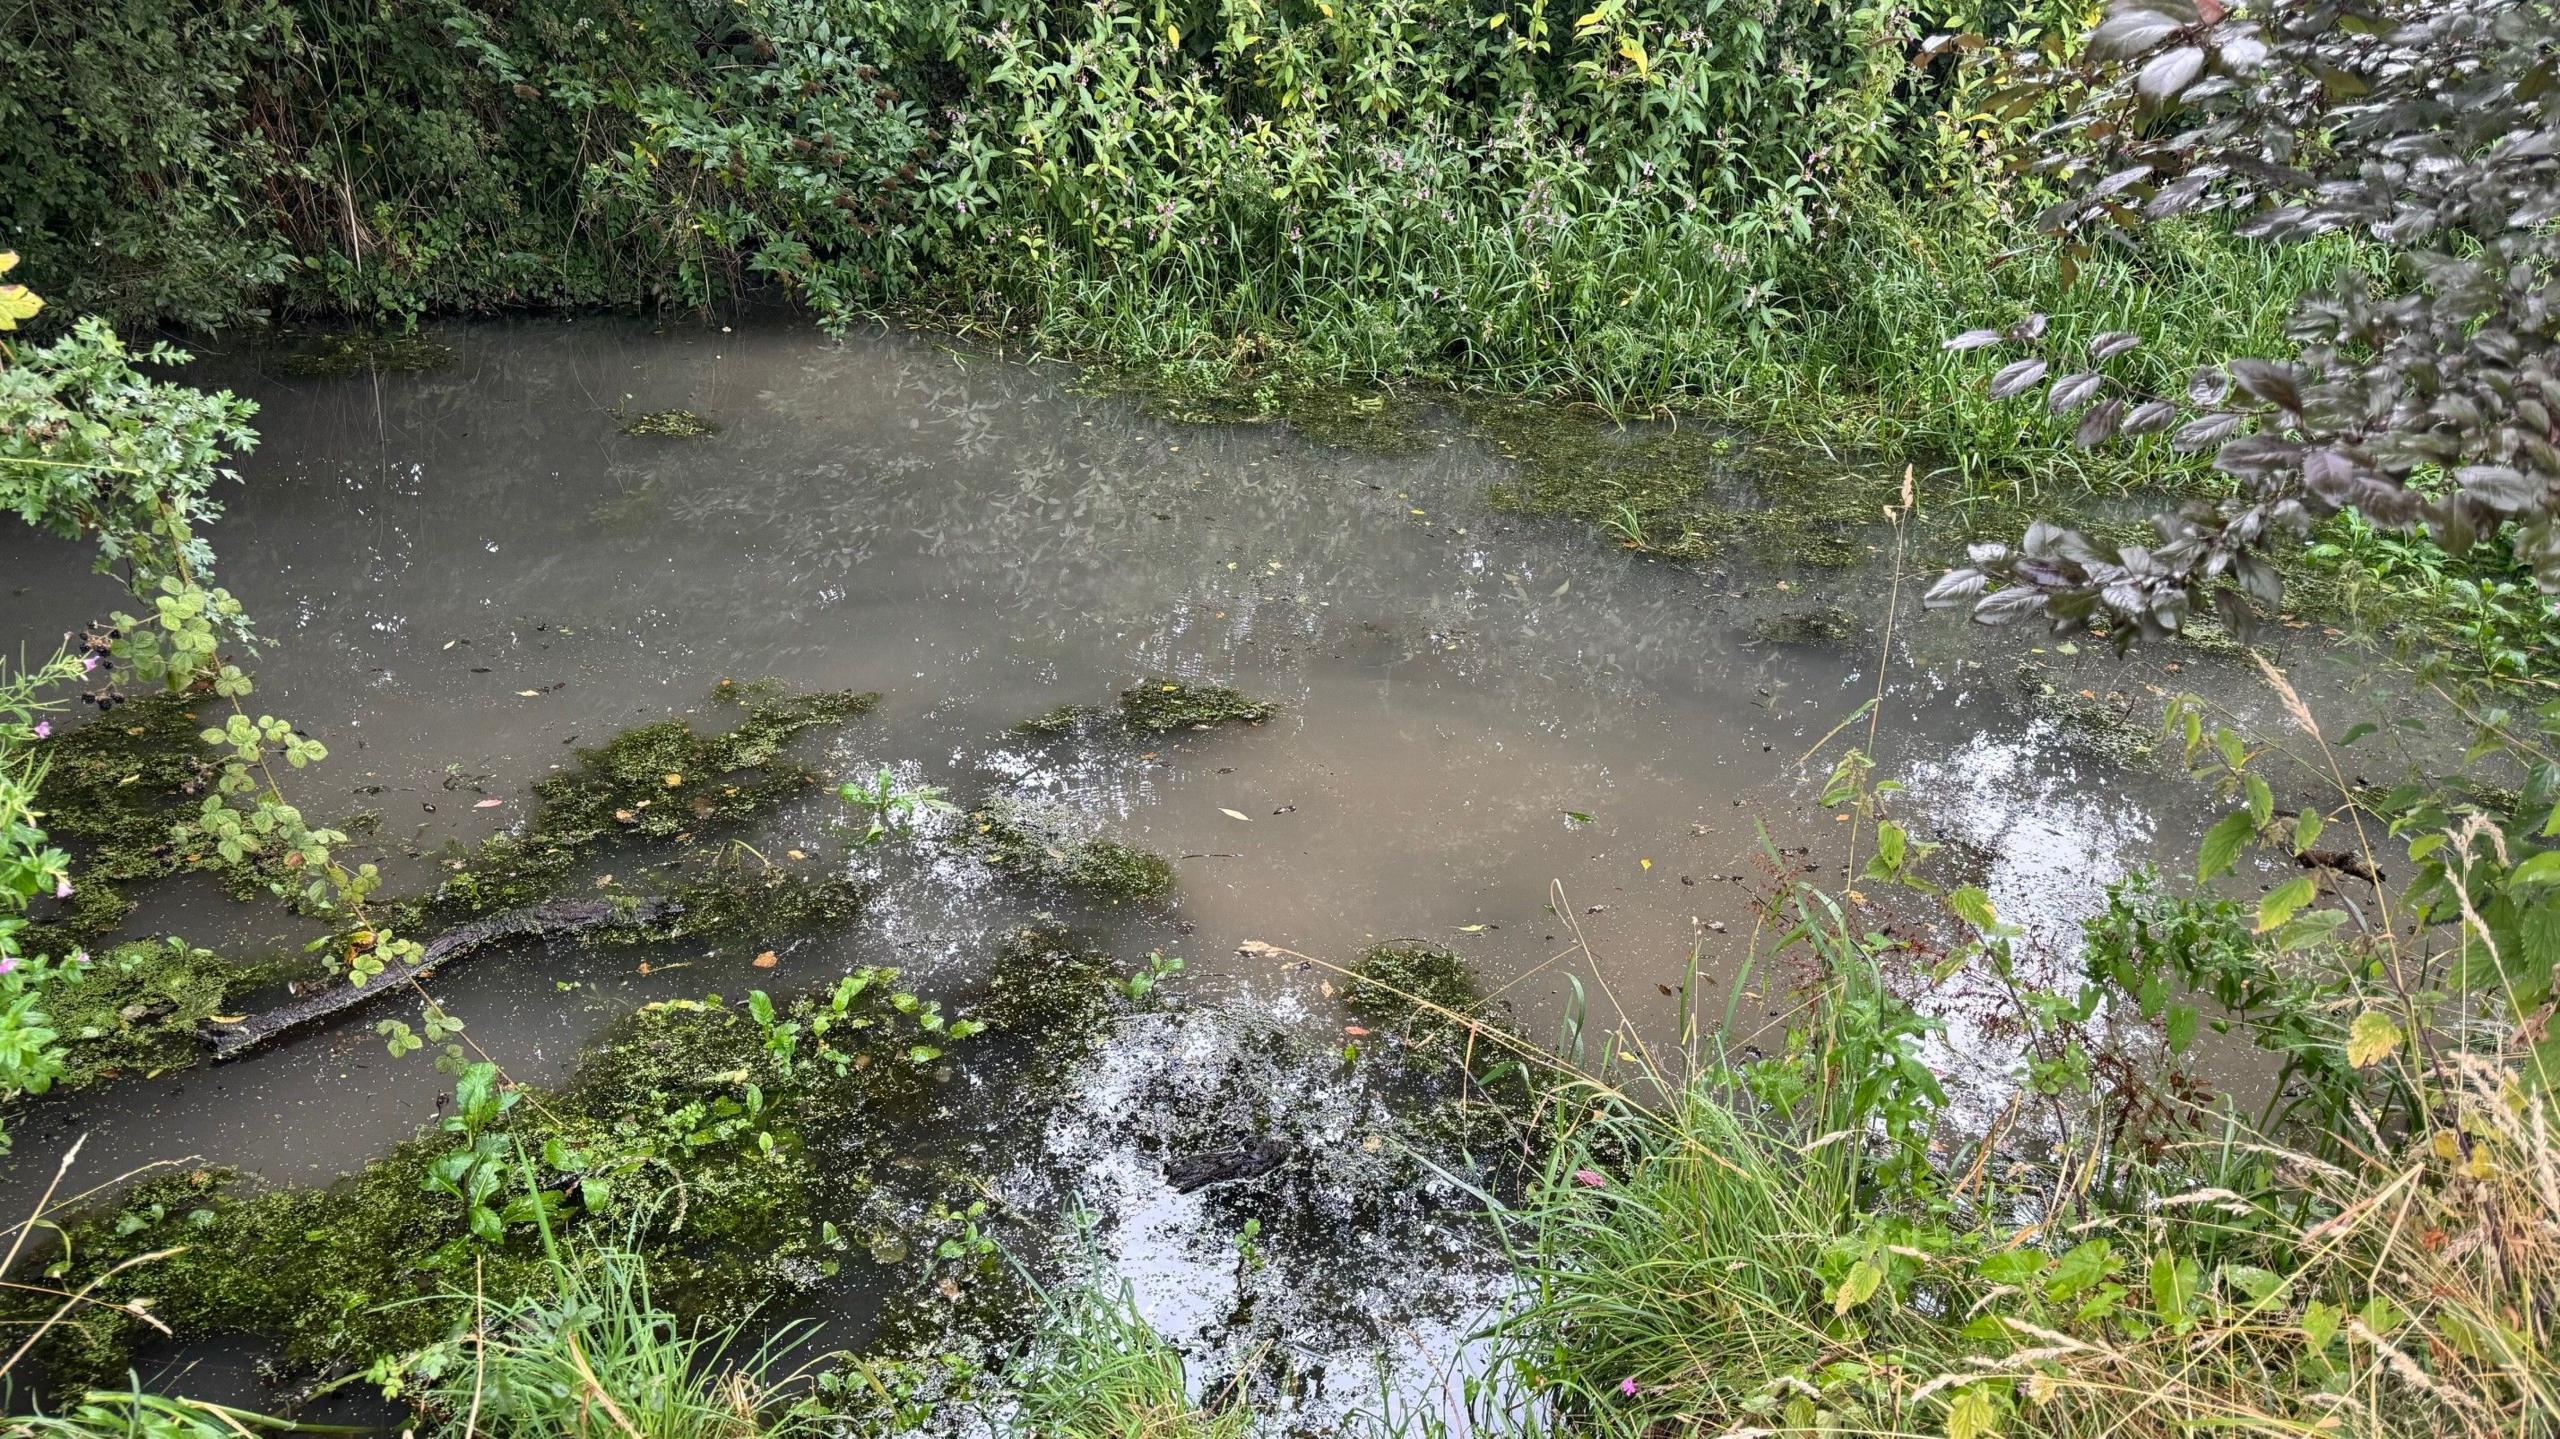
<point>795,854</point>
<point>1646,863</point>
<point>766,960</point>
<point>674,779</point>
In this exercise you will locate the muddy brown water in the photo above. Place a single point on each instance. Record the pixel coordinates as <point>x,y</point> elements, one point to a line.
<point>980,541</point>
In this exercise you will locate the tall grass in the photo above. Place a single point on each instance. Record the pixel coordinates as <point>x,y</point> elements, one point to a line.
<point>1102,1372</point>
<point>592,1354</point>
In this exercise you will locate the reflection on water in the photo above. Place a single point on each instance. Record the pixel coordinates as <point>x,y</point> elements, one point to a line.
<point>1474,706</point>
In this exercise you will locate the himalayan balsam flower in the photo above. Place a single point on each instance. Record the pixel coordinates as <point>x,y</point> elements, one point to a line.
<point>61,886</point>
<point>79,956</point>
<point>8,962</point>
<point>44,729</point>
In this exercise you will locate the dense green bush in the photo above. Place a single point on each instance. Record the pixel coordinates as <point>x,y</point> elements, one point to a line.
<point>1524,167</point>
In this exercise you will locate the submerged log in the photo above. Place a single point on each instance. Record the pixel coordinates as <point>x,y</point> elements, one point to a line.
<point>547,920</point>
<point>1251,1162</point>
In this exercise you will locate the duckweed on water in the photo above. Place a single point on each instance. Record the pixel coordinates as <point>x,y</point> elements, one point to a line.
<point>655,782</point>
<point>136,1008</point>
<point>1414,987</point>
<point>671,425</point>
<point>1158,706</point>
<point>1035,843</point>
<point>720,1139</point>
<point>112,788</point>
<point>335,356</point>
<point>1688,492</point>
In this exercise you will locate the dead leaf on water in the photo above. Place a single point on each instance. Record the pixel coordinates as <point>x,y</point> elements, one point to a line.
<point>529,694</point>
<point>766,960</point>
<point>1236,814</point>
<point>489,804</point>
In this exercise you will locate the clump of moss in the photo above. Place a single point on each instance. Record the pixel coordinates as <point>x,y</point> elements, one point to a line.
<point>1034,843</point>
<point>1825,624</point>
<point>1158,706</point>
<point>136,1009</point>
<point>112,789</point>
<point>335,356</point>
<point>691,1133</point>
<point>1687,492</point>
<point>1416,987</point>
<point>671,425</point>
<point>1064,720</point>
<point>1054,995</point>
<point>724,899</point>
<point>654,782</point>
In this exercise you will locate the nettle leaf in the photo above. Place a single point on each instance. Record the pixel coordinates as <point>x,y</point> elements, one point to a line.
<point>2371,1039</point>
<point>2223,843</point>
<point>2280,903</point>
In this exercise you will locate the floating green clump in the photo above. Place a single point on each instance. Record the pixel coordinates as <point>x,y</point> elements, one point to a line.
<point>692,1132</point>
<point>1415,986</point>
<point>725,898</point>
<point>655,782</point>
<point>1826,624</point>
<point>136,1008</point>
<point>1034,843</point>
<point>1053,995</point>
<point>1066,719</point>
<point>671,425</point>
<point>1687,492</point>
<point>112,788</point>
<point>1157,707</point>
<point>1161,705</point>
<point>329,357</point>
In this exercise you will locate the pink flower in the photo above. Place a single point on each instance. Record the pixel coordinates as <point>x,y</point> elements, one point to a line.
<point>1590,1178</point>
<point>88,663</point>
<point>62,886</point>
<point>44,729</point>
<point>79,956</point>
<point>1627,1386</point>
<point>8,962</point>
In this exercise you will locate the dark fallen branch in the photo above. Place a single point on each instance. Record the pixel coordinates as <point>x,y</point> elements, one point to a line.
<point>548,920</point>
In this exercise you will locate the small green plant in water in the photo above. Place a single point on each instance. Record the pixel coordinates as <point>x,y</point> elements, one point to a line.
<point>893,806</point>
<point>1143,981</point>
